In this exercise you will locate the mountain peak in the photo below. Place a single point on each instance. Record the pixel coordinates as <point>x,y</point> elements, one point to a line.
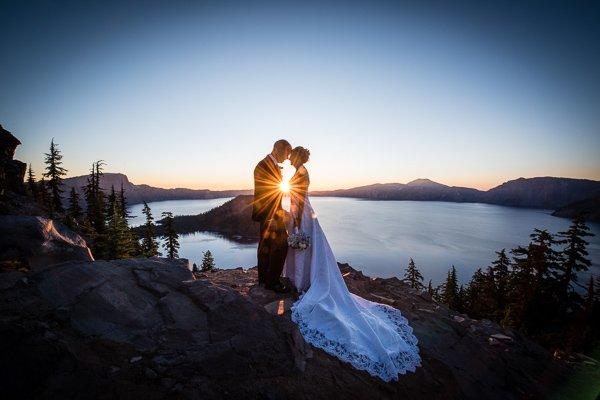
<point>424,183</point>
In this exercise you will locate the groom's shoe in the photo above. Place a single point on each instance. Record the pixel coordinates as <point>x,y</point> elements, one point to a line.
<point>278,288</point>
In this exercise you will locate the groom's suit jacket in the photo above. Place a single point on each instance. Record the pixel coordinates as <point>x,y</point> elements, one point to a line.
<point>267,192</point>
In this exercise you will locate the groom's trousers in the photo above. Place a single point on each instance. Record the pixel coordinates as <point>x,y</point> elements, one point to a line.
<point>272,250</point>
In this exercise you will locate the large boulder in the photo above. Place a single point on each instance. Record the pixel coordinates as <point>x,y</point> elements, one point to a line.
<point>12,172</point>
<point>38,242</point>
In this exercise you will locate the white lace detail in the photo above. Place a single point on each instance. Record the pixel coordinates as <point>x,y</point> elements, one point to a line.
<point>403,361</point>
<point>370,336</point>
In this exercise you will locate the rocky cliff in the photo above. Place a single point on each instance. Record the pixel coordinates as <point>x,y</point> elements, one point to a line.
<point>12,171</point>
<point>149,328</point>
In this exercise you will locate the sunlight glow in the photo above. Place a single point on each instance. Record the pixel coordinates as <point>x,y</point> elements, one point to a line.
<point>284,186</point>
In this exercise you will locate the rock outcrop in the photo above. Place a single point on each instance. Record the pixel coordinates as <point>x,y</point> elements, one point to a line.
<point>34,243</point>
<point>12,172</point>
<point>149,328</point>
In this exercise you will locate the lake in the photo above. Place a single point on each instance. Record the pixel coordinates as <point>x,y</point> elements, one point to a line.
<point>379,237</point>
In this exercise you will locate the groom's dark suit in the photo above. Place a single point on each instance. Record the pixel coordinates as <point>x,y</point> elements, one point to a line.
<point>267,210</point>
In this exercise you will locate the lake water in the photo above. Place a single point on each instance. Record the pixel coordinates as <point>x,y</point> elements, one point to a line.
<point>378,237</point>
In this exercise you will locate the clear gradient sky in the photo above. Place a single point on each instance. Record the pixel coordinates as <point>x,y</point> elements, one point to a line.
<point>192,94</point>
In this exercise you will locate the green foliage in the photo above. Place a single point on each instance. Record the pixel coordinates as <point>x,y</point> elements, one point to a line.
<point>208,262</point>
<point>535,291</point>
<point>413,277</point>
<point>119,239</point>
<point>449,291</point>
<point>31,183</point>
<point>171,244</point>
<point>149,243</point>
<point>54,173</point>
<point>74,211</point>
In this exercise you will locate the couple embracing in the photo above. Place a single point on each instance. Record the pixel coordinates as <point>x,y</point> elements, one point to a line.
<point>370,336</point>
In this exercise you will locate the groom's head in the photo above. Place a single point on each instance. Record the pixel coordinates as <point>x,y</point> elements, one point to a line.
<point>281,150</point>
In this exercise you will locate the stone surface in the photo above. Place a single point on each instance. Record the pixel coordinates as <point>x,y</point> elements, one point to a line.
<point>149,328</point>
<point>37,242</point>
<point>12,171</point>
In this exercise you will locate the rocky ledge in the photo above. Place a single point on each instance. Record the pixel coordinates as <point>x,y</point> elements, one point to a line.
<point>150,328</point>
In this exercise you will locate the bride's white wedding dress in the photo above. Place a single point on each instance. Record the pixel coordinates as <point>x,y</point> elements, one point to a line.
<point>372,337</point>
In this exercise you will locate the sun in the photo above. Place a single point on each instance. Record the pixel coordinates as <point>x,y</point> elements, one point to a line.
<point>284,187</point>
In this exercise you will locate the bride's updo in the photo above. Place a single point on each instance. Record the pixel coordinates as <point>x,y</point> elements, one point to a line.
<point>299,156</point>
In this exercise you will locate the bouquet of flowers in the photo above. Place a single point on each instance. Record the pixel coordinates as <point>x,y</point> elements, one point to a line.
<point>298,240</point>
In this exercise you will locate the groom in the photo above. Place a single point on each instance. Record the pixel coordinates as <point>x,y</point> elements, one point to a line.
<point>267,210</point>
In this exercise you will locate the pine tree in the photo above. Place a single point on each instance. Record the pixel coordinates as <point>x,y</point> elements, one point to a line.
<point>413,276</point>
<point>118,235</point>
<point>95,198</point>
<point>195,268</point>
<point>535,305</point>
<point>74,210</point>
<point>31,183</point>
<point>55,173</point>
<point>44,197</point>
<point>149,243</point>
<point>500,273</point>
<point>171,244</point>
<point>123,203</point>
<point>478,296</point>
<point>111,205</point>
<point>575,253</point>
<point>449,290</point>
<point>208,262</point>
<point>430,289</point>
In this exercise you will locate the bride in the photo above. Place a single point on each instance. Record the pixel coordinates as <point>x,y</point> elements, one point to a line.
<point>372,337</point>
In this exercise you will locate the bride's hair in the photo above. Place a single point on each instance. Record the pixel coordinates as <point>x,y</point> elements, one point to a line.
<point>301,154</point>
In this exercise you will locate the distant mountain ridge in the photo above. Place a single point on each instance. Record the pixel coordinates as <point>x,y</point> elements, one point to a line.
<point>540,192</point>
<point>140,193</point>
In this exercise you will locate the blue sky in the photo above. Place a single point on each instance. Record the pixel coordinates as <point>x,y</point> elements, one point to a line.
<point>194,93</point>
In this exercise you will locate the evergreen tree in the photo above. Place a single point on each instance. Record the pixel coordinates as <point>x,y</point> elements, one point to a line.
<point>96,212</point>
<point>171,244</point>
<point>55,173</point>
<point>500,274</point>
<point>44,197</point>
<point>118,235</point>
<point>95,198</point>
<point>123,203</point>
<point>449,290</point>
<point>413,276</point>
<point>535,305</point>
<point>575,255</point>
<point>478,296</point>
<point>31,183</point>
<point>430,289</point>
<point>74,210</point>
<point>195,268</point>
<point>111,205</point>
<point>208,262</point>
<point>149,243</point>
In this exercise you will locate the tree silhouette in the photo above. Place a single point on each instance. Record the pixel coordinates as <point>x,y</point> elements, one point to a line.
<point>413,276</point>
<point>208,262</point>
<point>31,183</point>
<point>118,235</point>
<point>123,203</point>
<point>149,243</point>
<point>500,276</point>
<point>171,243</point>
<point>74,210</point>
<point>449,290</point>
<point>54,173</point>
<point>575,252</point>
